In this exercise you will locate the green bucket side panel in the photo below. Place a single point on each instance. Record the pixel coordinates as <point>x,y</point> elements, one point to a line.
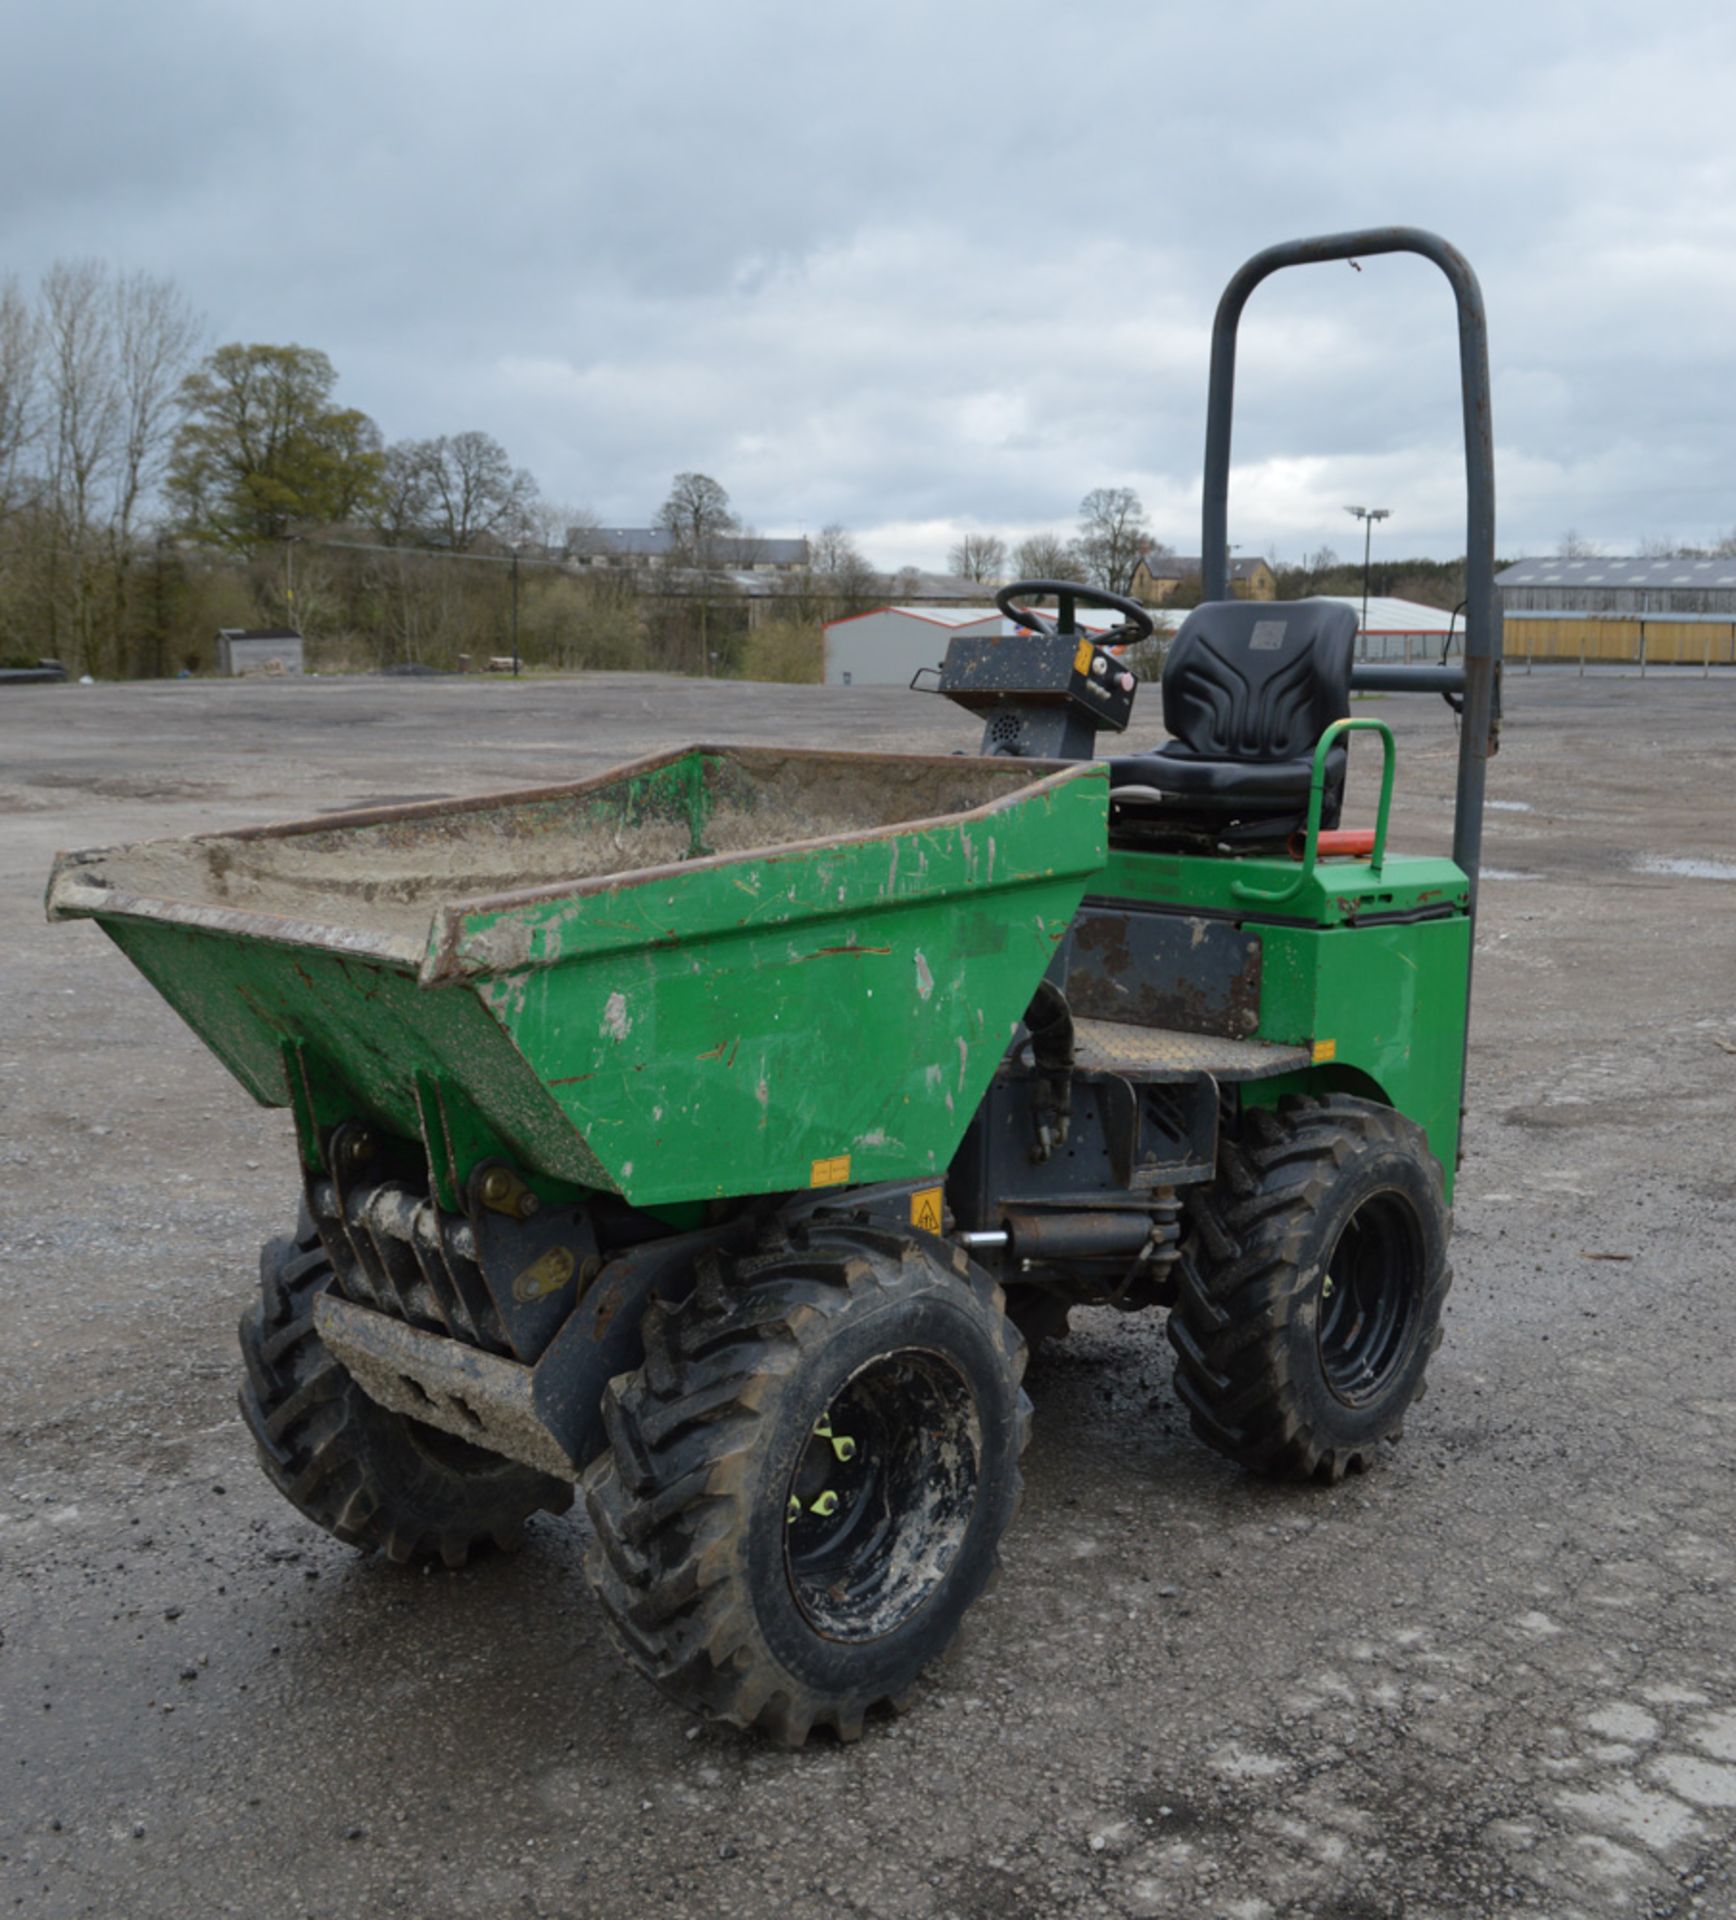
<point>851,1049</point>
<point>826,1014</point>
<point>370,1027</point>
<point>1390,1001</point>
<point>712,1028</point>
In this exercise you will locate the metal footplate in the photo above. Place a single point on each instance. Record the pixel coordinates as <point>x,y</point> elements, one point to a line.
<point>1158,1053</point>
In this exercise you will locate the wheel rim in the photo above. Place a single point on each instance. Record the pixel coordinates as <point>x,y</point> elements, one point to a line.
<point>883,1495</point>
<point>1368,1299</point>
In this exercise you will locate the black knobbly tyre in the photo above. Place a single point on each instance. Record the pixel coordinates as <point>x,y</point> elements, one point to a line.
<point>1310,1287</point>
<point>808,1479</point>
<point>374,1478</point>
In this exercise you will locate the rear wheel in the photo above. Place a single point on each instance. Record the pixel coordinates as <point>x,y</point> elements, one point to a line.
<point>1310,1287</point>
<point>808,1479</point>
<point>373,1478</point>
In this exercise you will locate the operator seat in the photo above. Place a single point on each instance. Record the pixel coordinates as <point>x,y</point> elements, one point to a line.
<point>1249,686</point>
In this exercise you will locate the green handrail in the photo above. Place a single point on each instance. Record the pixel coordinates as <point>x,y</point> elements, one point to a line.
<point>1271,896</point>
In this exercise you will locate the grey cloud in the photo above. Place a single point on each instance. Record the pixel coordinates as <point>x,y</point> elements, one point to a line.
<point>898,264</point>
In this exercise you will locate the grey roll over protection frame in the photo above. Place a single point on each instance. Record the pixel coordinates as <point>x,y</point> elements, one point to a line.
<point>1479,676</point>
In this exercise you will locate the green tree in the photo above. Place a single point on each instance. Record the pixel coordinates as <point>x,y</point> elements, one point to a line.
<point>261,449</point>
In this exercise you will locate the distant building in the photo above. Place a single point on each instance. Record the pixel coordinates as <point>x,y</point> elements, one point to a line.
<point>1620,608</point>
<point>914,587</point>
<point>1400,629</point>
<point>258,650</point>
<point>653,547</point>
<point>888,646</point>
<point>1161,576</point>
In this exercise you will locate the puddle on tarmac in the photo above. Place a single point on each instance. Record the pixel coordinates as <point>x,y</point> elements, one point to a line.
<point>1685,869</point>
<point>1508,806</point>
<point>1508,873</point>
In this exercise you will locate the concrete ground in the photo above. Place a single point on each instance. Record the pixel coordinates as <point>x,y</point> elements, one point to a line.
<point>1496,1676</point>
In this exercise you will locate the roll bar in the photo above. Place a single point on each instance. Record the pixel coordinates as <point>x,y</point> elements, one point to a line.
<point>1480,675</point>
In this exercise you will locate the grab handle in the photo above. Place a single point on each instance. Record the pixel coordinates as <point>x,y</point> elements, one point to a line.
<point>1271,896</point>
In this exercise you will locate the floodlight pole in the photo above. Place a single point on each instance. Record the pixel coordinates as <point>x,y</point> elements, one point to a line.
<point>1368,516</point>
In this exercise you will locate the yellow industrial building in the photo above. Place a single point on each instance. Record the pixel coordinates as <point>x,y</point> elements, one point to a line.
<point>1677,611</point>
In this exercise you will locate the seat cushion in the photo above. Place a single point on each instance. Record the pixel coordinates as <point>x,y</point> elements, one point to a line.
<point>1228,789</point>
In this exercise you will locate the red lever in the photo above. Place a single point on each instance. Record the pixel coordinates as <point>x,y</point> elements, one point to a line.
<point>1357,841</point>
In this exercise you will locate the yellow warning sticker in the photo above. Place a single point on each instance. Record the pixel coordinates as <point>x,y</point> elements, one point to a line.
<point>1325,1050</point>
<point>831,1173</point>
<point>925,1210</point>
<point>1082,656</point>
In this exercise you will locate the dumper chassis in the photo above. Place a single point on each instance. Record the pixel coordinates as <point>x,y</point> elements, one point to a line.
<point>714,1135</point>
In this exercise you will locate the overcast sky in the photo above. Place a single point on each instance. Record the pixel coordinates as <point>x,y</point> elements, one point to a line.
<point>922,267</point>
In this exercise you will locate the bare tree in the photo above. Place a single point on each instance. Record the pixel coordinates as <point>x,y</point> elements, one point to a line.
<point>1047,556</point>
<point>1725,549</point>
<point>455,490</point>
<point>833,553</point>
<point>1571,546</point>
<point>1112,536</point>
<point>836,580</point>
<point>851,580</point>
<point>695,516</point>
<point>553,524</point>
<point>401,505</point>
<point>156,336</point>
<point>20,340</point>
<point>979,556</point>
<point>84,429</point>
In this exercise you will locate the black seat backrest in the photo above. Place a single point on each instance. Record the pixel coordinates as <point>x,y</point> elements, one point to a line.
<point>1258,679</point>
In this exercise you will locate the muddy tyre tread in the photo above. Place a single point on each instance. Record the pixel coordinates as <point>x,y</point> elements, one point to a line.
<point>1243,1274</point>
<point>668,1500</point>
<point>345,1462</point>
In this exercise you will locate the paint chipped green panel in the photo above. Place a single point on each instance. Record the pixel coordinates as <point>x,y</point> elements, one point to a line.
<point>1388,1004</point>
<point>1340,890</point>
<point>722,1030</point>
<point>1380,997</point>
<point>734,1065</point>
<point>768,969</point>
<point>371,1028</point>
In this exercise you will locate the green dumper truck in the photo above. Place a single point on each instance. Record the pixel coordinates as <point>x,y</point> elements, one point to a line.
<point>715,1134</point>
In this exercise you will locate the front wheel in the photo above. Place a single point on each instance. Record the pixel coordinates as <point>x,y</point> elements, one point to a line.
<point>372,1478</point>
<point>808,1479</point>
<point>1310,1287</point>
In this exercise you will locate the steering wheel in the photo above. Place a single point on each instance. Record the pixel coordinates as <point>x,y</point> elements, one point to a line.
<point>1137,625</point>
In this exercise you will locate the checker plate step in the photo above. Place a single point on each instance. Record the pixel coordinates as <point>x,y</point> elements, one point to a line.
<point>1107,1046</point>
